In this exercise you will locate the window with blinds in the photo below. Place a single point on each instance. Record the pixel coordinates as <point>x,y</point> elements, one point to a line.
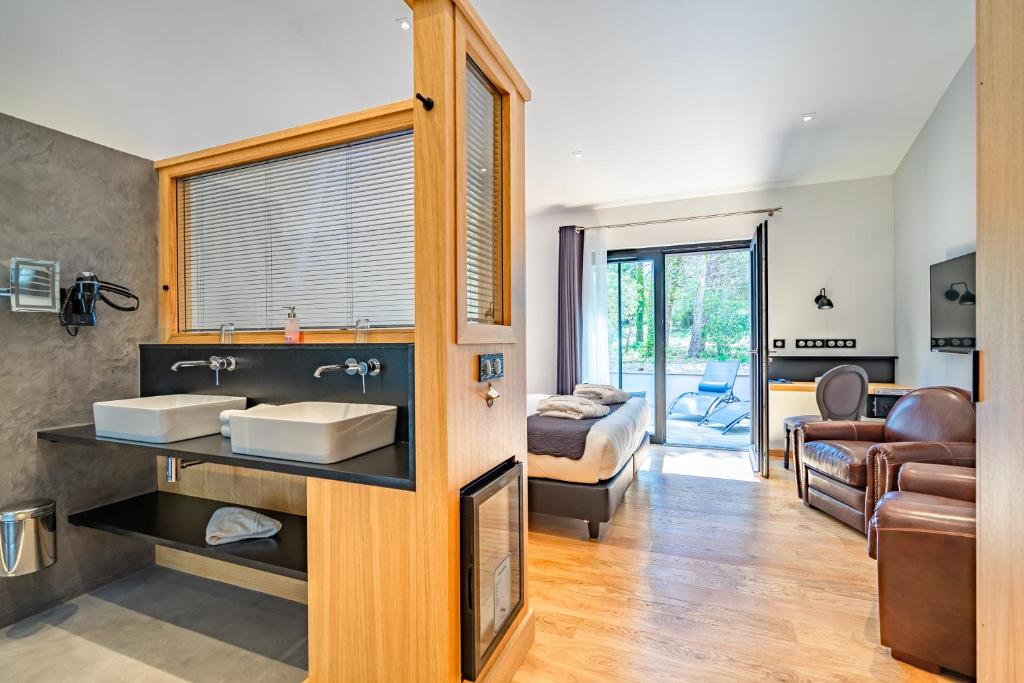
<point>328,231</point>
<point>485,239</point>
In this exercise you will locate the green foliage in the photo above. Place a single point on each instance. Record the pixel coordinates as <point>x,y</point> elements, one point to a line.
<point>710,291</point>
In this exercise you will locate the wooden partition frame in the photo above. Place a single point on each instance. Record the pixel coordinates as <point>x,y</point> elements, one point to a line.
<point>329,132</point>
<point>384,565</point>
<point>1000,546</point>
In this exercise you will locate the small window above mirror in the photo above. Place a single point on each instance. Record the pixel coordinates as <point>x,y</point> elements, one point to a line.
<point>484,286</point>
<point>484,219</point>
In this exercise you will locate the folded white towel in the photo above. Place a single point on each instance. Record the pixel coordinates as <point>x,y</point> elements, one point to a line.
<point>231,524</point>
<point>225,416</point>
<point>571,407</point>
<point>605,394</point>
<point>225,430</point>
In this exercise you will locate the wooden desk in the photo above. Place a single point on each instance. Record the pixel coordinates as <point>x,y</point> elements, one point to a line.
<point>812,386</point>
<point>797,398</point>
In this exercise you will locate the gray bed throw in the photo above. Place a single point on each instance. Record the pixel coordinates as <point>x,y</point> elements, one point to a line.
<point>558,436</point>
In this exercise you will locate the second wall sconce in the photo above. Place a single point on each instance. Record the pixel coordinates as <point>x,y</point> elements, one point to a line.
<point>822,301</point>
<point>966,298</point>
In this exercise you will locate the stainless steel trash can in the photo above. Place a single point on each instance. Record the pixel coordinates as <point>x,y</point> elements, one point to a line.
<point>28,537</point>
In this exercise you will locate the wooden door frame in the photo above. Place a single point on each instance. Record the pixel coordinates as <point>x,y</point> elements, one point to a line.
<point>1000,507</point>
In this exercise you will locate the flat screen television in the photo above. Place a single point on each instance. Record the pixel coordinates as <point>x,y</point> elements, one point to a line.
<point>953,299</point>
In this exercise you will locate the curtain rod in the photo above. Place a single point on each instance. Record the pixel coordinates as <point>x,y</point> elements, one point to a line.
<point>770,212</point>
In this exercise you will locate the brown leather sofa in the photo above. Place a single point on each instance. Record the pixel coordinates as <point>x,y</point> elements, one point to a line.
<point>847,466</point>
<point>923,537</point>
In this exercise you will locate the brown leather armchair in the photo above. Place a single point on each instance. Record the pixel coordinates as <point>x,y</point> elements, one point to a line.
<point>847,466</point>
<point>923,536</point>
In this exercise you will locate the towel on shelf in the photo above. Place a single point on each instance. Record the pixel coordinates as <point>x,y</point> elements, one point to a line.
<point>571,407</point>
<point>225,417</point>
<point>225,421</point>
<point>605,394</point>
<point>231,524</point>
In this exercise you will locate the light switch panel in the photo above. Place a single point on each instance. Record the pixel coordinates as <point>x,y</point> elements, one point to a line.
<point>492,366</point>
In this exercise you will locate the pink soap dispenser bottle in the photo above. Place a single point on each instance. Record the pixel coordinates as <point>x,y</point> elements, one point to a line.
<point>292,331</point>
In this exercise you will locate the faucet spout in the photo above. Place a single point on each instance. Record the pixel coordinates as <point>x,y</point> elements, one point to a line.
<point>352,366</point>
<point>215,363</point>
<point>190,364</point>
<point>323,369</point>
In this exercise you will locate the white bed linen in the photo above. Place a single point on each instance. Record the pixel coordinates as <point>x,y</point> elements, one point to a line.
<point>610,442</point>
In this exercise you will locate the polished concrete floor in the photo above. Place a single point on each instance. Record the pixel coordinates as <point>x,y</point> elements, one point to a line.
<point>159,625</point>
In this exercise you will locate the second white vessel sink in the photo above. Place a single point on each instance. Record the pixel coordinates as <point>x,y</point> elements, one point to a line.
<point>162,419</point>
<point>313,431</point>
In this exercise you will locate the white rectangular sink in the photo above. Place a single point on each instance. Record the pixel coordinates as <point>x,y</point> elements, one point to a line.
<point>313,431</point>
<point>162,419</point>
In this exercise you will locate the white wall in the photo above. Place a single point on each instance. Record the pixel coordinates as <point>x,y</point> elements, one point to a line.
<point>935,217</point>
<point>833,235</point>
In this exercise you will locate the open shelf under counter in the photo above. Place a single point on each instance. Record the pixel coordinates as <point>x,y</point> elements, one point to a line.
<point>178,521</point>
<point>388,467</point>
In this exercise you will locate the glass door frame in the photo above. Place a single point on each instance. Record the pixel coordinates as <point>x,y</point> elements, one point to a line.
<point>657,255</point>
<point>620,256</point>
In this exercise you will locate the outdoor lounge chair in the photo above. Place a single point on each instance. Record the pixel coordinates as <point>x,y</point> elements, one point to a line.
<point>714,391</point>
<point>728,414</point>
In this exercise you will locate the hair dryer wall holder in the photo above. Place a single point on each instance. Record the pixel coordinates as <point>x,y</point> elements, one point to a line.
<point>78,307</point>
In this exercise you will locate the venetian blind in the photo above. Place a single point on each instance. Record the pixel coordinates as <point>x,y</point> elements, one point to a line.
<point>484,211</point>
<point>328,231</point>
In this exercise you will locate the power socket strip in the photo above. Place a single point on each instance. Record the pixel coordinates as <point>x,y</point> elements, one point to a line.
<point>826,344</point>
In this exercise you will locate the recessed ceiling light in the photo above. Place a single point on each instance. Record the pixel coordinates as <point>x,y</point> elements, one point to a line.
<point>577,154</point>
<point>404,24</point>
<point>809,116</point>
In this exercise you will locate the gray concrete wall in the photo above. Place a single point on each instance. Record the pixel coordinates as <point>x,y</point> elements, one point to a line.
<point>91,208</point>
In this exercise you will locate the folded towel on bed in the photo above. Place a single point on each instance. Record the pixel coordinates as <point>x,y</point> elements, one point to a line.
<point>230,524</point>
<point>605,394</point>
<point>571,407</point>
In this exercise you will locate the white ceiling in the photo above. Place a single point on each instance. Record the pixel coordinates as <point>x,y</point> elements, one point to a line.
<point>163,78</point>
<point>666,98</point>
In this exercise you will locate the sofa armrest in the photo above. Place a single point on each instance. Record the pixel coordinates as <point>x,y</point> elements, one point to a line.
<point>913,513</point>
<point>842,430</point>
<point>885,460</point>
<point>948,481</point>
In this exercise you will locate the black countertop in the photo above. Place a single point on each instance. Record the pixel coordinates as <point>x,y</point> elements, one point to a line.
<point>388,467</point>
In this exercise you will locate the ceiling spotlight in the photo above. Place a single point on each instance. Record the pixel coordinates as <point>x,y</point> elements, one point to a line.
<point>809,116</point>
<point>577,154</point>
<point>404,23</point>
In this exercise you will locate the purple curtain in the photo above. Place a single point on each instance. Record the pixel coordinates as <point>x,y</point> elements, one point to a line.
<point>570,307</point>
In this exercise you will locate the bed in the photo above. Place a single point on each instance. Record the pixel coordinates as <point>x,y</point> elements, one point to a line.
<point>582,468</point>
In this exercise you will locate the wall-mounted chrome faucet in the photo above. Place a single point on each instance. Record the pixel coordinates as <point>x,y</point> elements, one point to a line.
<point>215,363</point>
<point>352,366</point>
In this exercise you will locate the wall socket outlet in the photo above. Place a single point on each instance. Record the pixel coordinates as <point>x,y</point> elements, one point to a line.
<point>492,366</point>
<point>826,344</point>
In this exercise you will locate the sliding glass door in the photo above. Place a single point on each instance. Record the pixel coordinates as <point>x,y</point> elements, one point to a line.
<point>707,342</point>
<point>631,325</point>
<point>759,349</point>
<point>679,327</point>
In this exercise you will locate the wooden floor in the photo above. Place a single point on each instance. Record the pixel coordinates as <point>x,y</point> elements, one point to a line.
<point>701,578</point>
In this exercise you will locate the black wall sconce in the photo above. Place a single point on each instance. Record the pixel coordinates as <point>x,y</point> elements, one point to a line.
<point>965,299</point>
<point>823,302</point>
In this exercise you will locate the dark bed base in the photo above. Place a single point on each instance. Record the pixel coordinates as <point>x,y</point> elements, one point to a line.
<point>592,503</point>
